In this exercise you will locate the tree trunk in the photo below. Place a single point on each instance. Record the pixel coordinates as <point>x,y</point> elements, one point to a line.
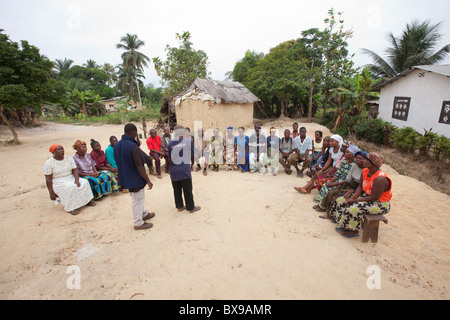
<point>84,108</point>
<point>283,108</point>
<point>325,104</point>
<point>310,105</point>
<point>139,94</point>
<point>10,126</point>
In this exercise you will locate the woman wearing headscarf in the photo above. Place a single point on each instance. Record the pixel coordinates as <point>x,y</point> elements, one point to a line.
<point>341,174</point>
<point>63,182</point>
<point>348,185</point>
<point>372,196</point>
<point>99,181</point>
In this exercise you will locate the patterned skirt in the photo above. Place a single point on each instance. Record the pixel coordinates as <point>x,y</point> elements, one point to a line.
<point>101,185</point>
<point>350,216</point>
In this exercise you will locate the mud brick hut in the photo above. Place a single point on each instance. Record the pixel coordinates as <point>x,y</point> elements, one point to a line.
<point>217,104</point>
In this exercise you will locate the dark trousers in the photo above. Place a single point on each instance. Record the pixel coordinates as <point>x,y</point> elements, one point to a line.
<point>157,158</point>
<point>183,187</point>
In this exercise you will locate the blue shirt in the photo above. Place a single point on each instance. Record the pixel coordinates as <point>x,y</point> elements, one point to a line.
<point>109,152</point>
<point>180,156</point>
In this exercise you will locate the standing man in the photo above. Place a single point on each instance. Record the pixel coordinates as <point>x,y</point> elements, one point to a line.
<point>180,149</point>
<point>132,175</point>
<point>303,148</point>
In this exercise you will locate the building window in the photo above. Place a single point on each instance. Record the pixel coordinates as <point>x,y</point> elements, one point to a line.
<point>401,108</point>
<point>445,113</point>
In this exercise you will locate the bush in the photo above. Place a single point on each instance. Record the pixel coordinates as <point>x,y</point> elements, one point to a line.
<point>371,130</point>
<point>405,139</point>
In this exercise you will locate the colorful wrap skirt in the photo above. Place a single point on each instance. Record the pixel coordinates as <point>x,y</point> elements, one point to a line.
<point>101,185</point>
<point>350,216</point>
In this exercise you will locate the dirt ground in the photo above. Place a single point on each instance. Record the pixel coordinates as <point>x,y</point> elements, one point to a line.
<point>254,238</point>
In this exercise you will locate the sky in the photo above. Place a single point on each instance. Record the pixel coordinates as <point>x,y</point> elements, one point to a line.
<point>82,30</point>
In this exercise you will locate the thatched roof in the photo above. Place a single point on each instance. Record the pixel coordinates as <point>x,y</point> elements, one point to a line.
<point>218,91</point>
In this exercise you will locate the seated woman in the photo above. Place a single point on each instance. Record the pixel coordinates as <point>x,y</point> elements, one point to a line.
<point>349,185</point>
<point>321,162</point>
<point>100,182</point>
<point>341,174</point>
<point>99,156</point>
<point>372,196</point>
<point>62,180</point>
<point>317,148</point>
<point>241,148</point>
<point>335,144</point>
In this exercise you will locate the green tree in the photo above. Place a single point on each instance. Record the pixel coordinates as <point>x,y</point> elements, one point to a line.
<point>242,67</point>
<point>182,66</point>
<point>133,61</point>
<point>280,75</point>
<point>25,81</point>
<point>415,46</point>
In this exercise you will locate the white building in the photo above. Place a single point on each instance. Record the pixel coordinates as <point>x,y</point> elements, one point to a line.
<point>418,98</point>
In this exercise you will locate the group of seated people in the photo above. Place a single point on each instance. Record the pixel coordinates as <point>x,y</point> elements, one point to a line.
<point>349,180</point>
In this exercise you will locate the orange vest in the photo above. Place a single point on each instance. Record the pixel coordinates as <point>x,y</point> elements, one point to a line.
<point>368,182</point>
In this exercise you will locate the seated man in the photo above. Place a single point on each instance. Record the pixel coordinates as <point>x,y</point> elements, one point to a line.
<point>154,146</point>
<point>303,148</point>
<point>165,140</point>
<point>257,148</point>
<point>286,151</point>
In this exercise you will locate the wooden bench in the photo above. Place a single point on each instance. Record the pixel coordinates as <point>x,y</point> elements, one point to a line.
<point>371,224</point>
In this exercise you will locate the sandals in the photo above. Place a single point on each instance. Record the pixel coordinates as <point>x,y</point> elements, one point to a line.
<point>205,173</point>
<point>181,209</point>
<point>91,204</point>
<point>301,190</point>
<point>195,209</point>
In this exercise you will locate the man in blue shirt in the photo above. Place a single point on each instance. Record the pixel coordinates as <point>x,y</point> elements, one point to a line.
<point>180,149</point>
<point>132,175</point>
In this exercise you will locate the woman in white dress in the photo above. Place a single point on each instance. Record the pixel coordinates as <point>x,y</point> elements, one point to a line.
<point>63,182</point>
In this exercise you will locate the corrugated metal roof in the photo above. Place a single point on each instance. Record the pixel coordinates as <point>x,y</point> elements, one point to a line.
<point>439,69</point>
<point>227,91</point>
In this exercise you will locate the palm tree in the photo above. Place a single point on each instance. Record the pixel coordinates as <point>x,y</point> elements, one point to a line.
<point>111,71</point>
<point>61,65</point>
<point>414,47</point>
<point>133,60</point>
<point>90,64</point>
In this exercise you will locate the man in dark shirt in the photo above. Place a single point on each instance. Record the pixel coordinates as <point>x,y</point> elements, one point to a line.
<point>132,175</point>
<point>180,149</point>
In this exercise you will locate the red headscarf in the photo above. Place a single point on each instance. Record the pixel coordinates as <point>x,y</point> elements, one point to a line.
<point>53,147</point>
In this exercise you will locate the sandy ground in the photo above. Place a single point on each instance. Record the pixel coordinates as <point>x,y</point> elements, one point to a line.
<point>255,237</point>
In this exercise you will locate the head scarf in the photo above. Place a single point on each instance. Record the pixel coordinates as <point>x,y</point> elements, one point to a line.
<point>362,154</point>
<point>353,149</point>
<point>338,138</point>
<point>230,128</point>
<point>53,147</point>
<point>376,159</point>
<point>78,144</point>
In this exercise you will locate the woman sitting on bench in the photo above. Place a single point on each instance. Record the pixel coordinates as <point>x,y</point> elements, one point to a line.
<point>371,197</point>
